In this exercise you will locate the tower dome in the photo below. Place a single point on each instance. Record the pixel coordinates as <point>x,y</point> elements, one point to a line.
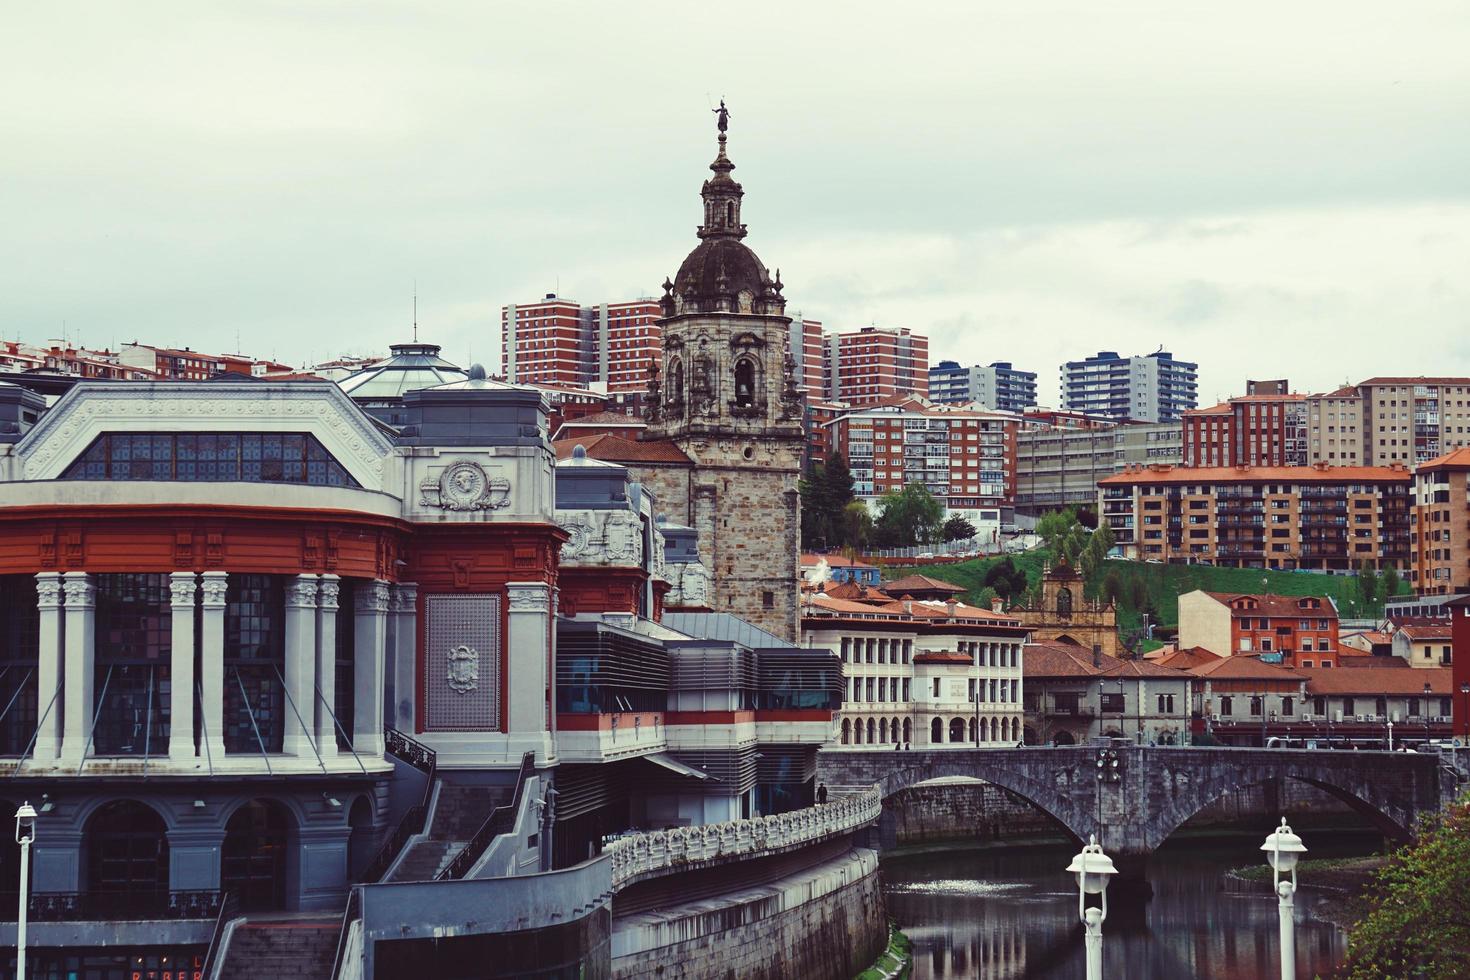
<point>722,274</point>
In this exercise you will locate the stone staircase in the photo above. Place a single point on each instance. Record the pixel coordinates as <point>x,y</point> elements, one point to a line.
<point>296,948</point>
<point>460,811</point>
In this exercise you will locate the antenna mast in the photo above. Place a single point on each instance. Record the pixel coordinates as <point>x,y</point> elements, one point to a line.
<point>415,311</point>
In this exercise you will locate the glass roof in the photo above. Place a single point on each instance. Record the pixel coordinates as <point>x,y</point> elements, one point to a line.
<point>408,368</point>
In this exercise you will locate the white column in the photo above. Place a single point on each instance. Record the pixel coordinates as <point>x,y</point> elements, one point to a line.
<point>212,679</point>
<point>324,698</point>
<point>183,590</point>
<point>403,699</point>
<point>370,647</point>
<point>81,615</point>
<point>526,687</point>
<point>51,668</point>
<point>300,665</point>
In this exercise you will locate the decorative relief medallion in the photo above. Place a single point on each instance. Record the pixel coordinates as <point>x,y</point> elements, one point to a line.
<point>463,675</point>
<point>624,538</point>
<point>577,545</point>
<point>464,486</point>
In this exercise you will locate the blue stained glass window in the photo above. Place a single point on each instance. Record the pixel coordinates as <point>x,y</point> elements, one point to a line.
<point>252,457</point>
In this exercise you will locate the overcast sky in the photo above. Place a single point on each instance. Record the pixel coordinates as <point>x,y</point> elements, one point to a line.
<point>1270,189</point>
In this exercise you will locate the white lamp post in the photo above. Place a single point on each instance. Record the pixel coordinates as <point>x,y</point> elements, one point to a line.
<point>1092,868</point>
<point>1283,849</point>
<point>25,832</point>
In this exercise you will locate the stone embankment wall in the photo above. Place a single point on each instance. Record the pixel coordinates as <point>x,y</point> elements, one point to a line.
<point>982,811</point>
<point>826,922</point>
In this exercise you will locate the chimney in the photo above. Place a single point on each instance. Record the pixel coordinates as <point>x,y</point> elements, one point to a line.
<point>1097,655</point>
<point>997,604</point>
<point>949,606</point>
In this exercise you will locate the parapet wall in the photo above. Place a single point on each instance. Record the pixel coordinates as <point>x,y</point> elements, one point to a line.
<point>826,922</point>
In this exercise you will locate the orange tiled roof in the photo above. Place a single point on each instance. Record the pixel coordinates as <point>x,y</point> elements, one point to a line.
<point>1431,631</point>
<point>1406,681</point>
<point>1269,604</point>
<point>921,583</point>
<point>833,561</point>
<point>1241,667</point>
<point>1189,657</point>
<point>1251,474</point>
<point>1459,458</point>
<point>612,449</point>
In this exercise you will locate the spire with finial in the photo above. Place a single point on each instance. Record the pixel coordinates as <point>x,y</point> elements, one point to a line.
<point>721,192</point>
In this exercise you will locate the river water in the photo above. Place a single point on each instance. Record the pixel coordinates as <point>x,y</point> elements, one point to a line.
<point>987,912</point>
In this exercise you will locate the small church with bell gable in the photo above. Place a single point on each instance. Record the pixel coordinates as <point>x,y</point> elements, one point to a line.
<point>722,450</point>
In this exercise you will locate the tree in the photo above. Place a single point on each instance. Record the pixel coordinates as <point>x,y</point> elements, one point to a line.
<point>857,525</point>
<point>1418,921</point>
<point>1006,579</point>
<point>958,529</point>
<point>909,516</point>
<point>1367,584</point>
<point>1112,588</point>
<point>1390,583</point>
<point>1052,526</point>
<point>825,493</point>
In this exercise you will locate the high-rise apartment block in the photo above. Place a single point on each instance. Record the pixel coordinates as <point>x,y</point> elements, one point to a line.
<point>1441,561</point>
<point>1389,420</point>
<point>965,457</point>
<point>863,367</point>
<point>558,341</point>
<point>1060,465</point>
<point>1318,517</point>
<point>1256,430</point>
<point>997,385</point>
<point>1156,388</point>
<point>808,350</point>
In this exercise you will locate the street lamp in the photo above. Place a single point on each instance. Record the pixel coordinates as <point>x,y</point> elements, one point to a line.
<point>1092,868</point>
<point>1283,848</point>
<point>25,833</point>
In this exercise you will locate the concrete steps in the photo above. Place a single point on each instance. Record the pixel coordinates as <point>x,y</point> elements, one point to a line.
<point>286,949</point>
<point>460,811</point>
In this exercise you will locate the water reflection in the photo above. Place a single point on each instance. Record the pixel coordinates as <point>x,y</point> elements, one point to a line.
<point>1013,913</point>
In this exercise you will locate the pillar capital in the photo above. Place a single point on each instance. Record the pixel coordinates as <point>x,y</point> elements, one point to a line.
<point>215,586</point>
<point>301,592</point>
<point>183,588</point>
<point>80,592</point>
<point>329,591</point>
<point>48,590</point>
<point>529,596</point>
<point>405,597</point>
<point>372,597</point>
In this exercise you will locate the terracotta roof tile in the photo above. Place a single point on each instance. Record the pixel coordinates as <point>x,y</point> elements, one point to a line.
<point>1269,604</point>
<point>921,583</point>
<point>1404,681</point>
<point>1459,458</point>
<point>612,449</point>
<point>1241,667</point>
<point>833,561</point>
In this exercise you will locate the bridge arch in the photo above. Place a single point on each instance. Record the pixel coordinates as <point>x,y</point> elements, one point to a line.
<point>1067,798</point>
<point>1391,816</point>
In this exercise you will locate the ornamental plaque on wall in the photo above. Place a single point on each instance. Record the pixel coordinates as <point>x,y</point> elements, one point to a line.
<point>464,485</point>
<point>463,675</point>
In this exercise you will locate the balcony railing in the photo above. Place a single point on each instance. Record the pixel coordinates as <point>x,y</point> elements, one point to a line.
<point>643,855</point>
<point>132,905</point>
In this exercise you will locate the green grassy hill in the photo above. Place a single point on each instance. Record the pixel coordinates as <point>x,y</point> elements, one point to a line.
<point>1156,588</point>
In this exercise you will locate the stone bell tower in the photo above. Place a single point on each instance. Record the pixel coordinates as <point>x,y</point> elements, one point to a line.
<point>724,392</point>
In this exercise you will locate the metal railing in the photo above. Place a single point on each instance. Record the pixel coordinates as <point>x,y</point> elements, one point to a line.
<point>227,911</point>
<point>500,821</point>
<point>129,905</point>
<point>349,914</point>
<point>424,759</point>
<point>639,855</point>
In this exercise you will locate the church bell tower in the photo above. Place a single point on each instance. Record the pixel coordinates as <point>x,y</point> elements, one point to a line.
<point>724,391</point>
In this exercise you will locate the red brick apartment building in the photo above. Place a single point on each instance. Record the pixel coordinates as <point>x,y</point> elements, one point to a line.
<point>1441,524</point>
<point>1318,517</point>
<point>1252,430</point>
<point>862,367</point>
<point>559,341</point>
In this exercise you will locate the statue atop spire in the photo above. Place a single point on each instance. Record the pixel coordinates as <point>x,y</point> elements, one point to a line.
<point>721,192</point>
<point>722,119</point>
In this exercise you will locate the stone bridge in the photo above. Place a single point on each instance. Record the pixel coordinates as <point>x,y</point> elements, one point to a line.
<point>1155,789</point>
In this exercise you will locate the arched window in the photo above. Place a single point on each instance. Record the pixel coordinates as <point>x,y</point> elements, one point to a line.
<point>994,730</point>
<point>973,732</point>
<point>857,732</point>
<point>883,730</point>
<point>676,380</point>
<point>1005,730</point>
<point>907,730</point>
<point>730,214</point>
<point>872,730</point>
<point>1064,602</point>
<point>127,860</point>
<point>1063,738</point>
<point>893,729</point>
<point>846,731</point>
<point>936,732</point>
<point>956,729</point>
<point>253,860</point>
<point>745,383</point>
